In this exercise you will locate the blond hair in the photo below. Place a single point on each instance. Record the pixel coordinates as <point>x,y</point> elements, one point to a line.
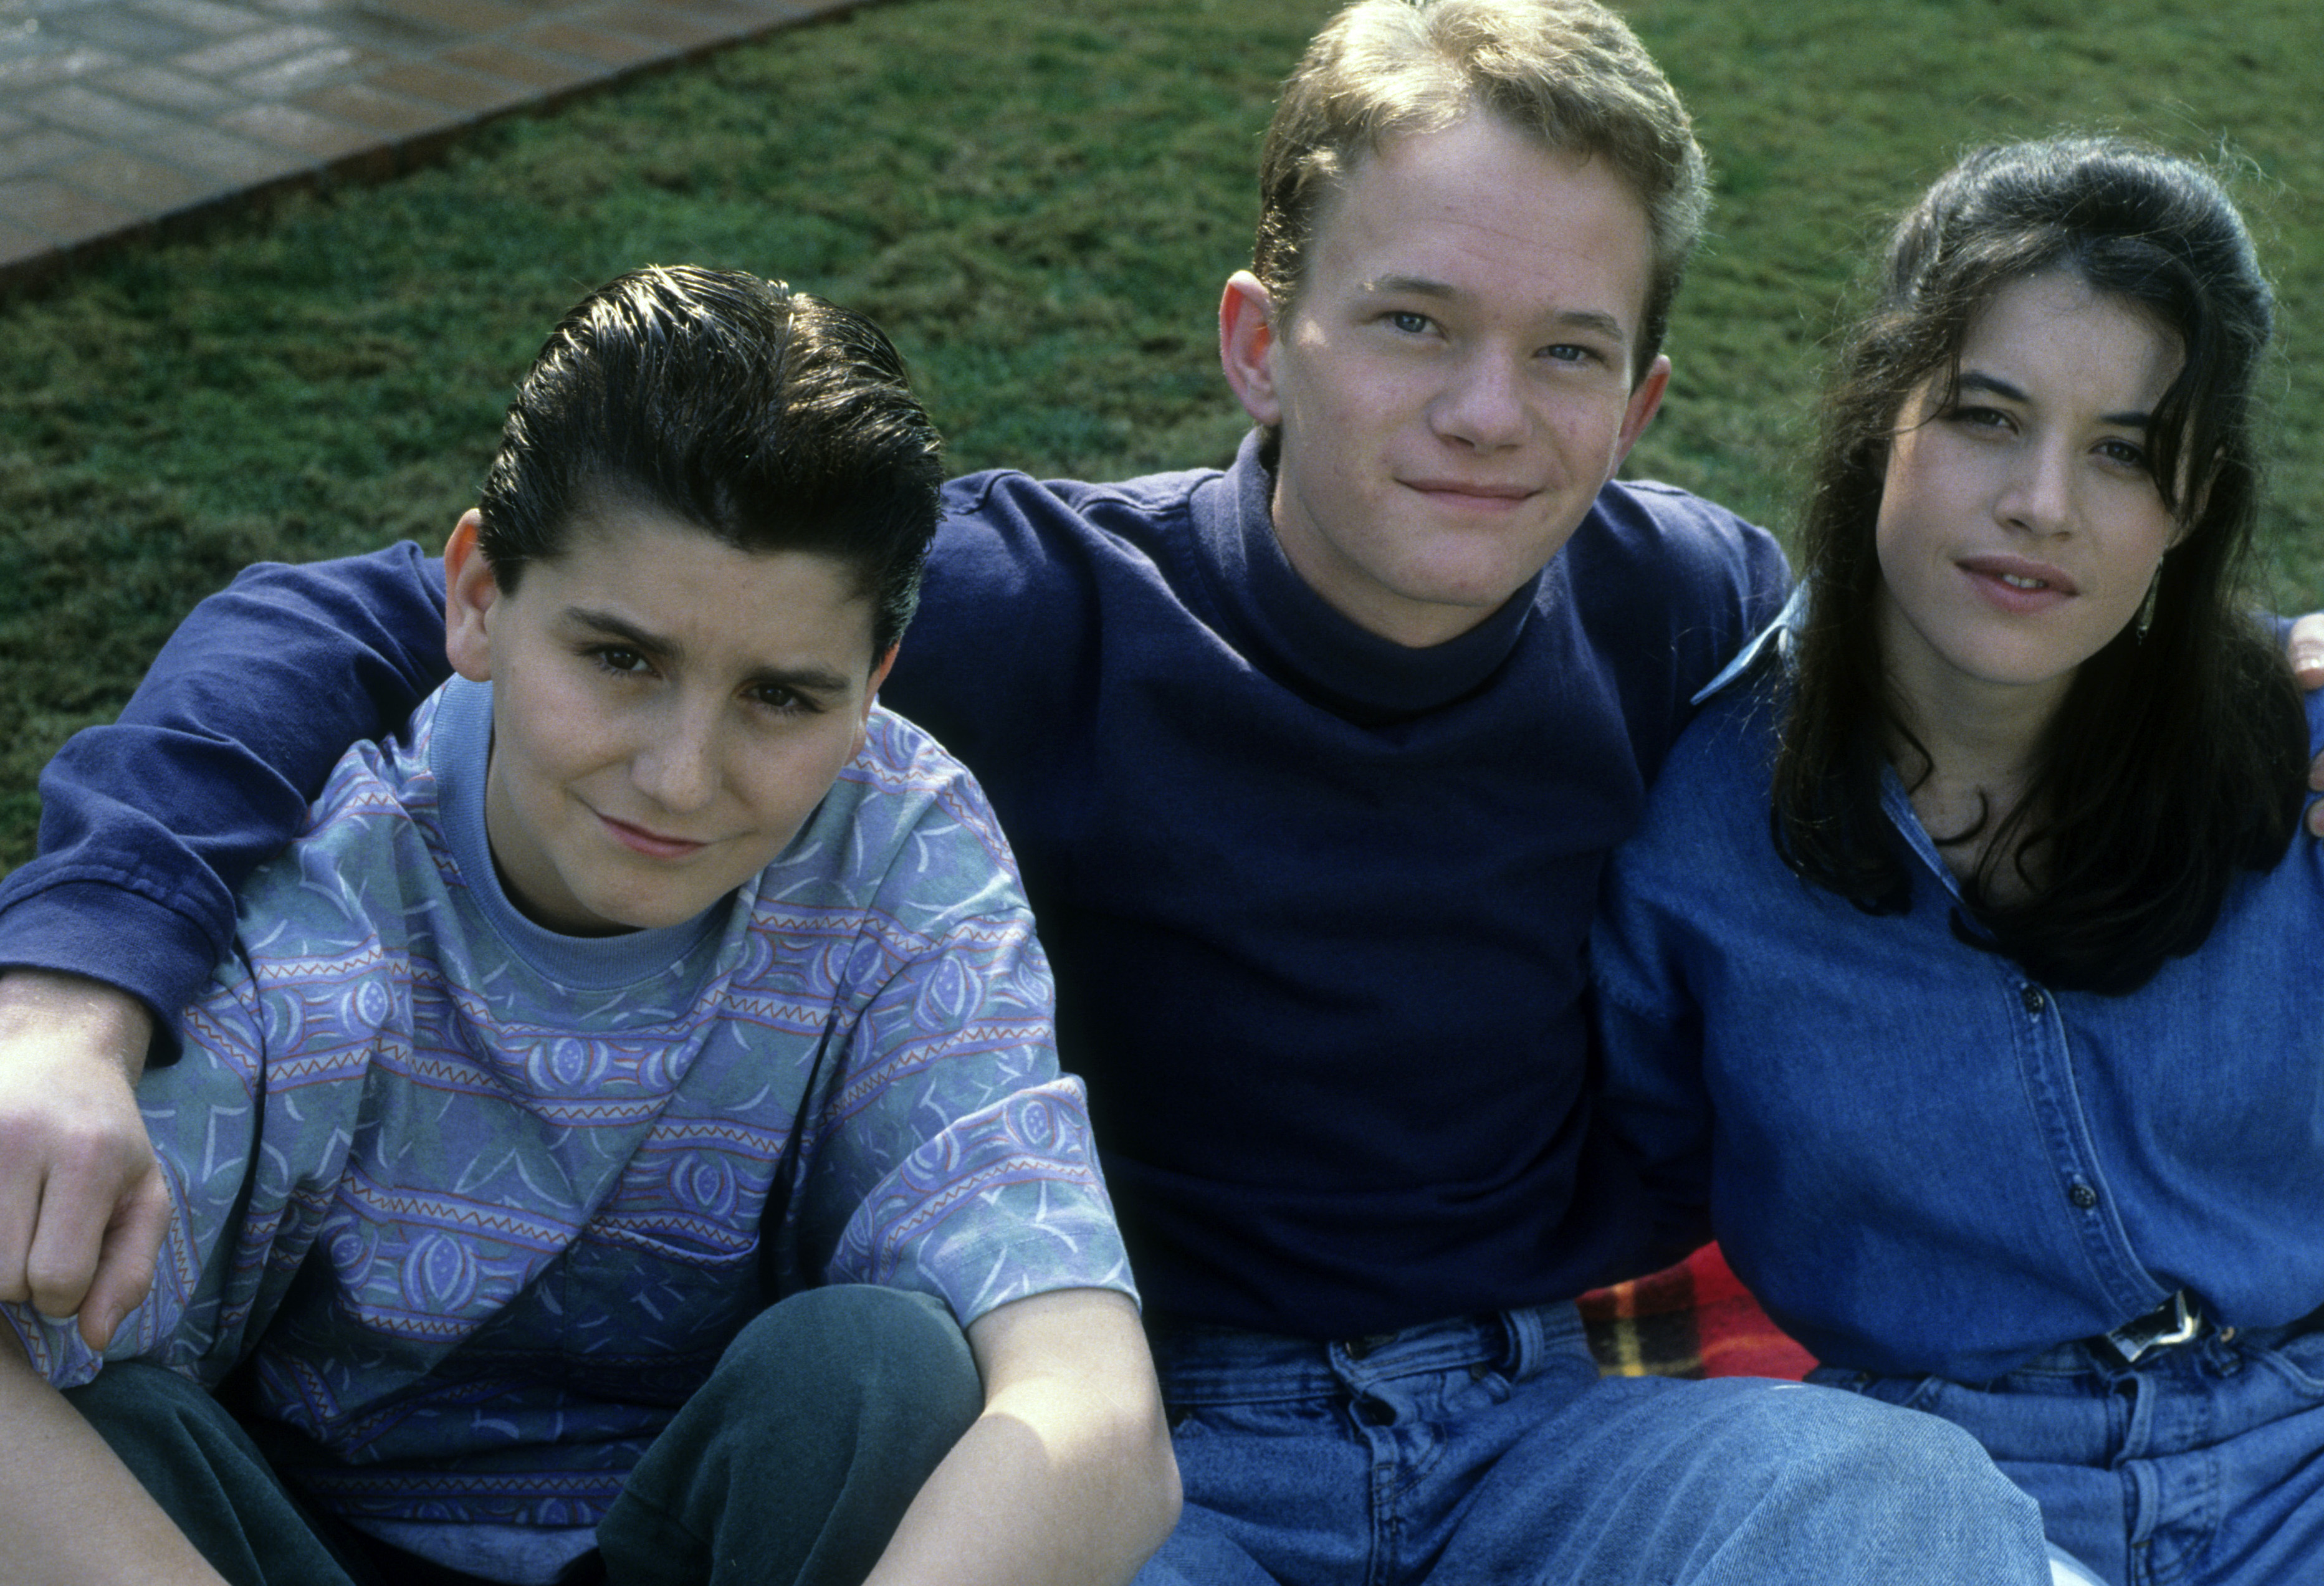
<point>1569,73</point>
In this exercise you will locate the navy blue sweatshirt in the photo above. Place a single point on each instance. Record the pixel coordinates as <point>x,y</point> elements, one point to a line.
<point>1317,903</point>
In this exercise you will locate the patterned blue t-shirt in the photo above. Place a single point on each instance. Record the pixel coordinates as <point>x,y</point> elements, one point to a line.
<point>481,1204</point>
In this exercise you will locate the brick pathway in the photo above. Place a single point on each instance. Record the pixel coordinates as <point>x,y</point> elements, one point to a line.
<point>120,115</point>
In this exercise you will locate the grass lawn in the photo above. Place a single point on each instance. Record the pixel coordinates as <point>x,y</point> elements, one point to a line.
<point>1039,203</point>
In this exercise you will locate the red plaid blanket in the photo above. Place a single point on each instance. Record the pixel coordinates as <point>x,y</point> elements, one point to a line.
<point>1695,1319</point>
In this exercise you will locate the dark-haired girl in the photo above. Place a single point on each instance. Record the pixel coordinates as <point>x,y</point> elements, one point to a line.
<point>1959,968</point>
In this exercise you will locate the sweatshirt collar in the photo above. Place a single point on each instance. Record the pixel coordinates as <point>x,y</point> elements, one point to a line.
<point>1306,642</point>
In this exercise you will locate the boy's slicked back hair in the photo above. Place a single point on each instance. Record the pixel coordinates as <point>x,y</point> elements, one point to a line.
<point>767,418</point>
<point>1567,73</point>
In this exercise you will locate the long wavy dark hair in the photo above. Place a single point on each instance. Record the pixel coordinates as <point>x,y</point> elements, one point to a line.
<point>2176,758</point>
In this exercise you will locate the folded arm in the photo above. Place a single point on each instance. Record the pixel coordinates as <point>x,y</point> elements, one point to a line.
<point>1067,1477</point>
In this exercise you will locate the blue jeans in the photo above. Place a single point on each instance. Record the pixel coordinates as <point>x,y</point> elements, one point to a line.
<point>2202,1465</point>
<point>1489,1450</point>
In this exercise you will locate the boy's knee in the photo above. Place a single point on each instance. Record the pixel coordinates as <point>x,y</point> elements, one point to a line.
<point>855,1351</point>
<point>1875,1482</point>
<point>797,1458</point>
<point>1841,1433</point>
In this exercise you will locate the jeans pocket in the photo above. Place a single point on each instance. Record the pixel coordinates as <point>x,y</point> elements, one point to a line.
<point>1261,1418</point>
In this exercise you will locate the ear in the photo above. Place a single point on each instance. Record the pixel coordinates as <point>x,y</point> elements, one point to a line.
<point>470,593</point>
<point>1646,397</point>
<point>1246,338</point>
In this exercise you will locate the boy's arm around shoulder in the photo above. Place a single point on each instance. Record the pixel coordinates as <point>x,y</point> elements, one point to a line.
<point>1004,627</point>
<point>148,828</point>
<point>71,1514</point>
<point>83,1209</point>
<point>1067,1476</point>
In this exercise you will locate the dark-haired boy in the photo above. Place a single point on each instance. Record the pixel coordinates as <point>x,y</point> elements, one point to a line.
<point>620,1098</point>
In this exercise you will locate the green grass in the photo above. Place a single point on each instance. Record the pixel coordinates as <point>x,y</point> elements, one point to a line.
<point>1040,204</point>
<point>1821,117</point>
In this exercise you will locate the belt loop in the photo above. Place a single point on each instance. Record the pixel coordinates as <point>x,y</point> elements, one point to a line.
<point>1526,1342</point>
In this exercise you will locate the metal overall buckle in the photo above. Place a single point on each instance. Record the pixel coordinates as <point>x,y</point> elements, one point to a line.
<point>2176,1321</point>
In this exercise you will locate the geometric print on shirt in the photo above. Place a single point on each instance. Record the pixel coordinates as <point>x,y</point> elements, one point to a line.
<point>474,1207</point>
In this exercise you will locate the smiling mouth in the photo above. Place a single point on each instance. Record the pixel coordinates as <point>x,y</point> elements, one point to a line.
<point>1487,495</point>
<point>652,844</point>
<point>2017,578</point>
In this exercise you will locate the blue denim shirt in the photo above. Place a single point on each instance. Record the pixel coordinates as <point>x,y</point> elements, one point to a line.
<point>1920,1159</point>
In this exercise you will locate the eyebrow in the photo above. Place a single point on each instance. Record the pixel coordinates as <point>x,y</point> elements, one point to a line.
<point>655,647</point>
<point>1972,380</point>
<point>1421,286</point>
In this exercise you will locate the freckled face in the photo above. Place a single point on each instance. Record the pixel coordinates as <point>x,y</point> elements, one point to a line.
<point>2020,524</point>
<point>1454,382</point>
<point>667,713</point>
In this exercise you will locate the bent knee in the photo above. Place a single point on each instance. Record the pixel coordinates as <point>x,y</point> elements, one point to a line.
<point>861,1330</point>
<point>1923,1474</point>
<point>1828,1427</point>
<point>853,1350</point>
